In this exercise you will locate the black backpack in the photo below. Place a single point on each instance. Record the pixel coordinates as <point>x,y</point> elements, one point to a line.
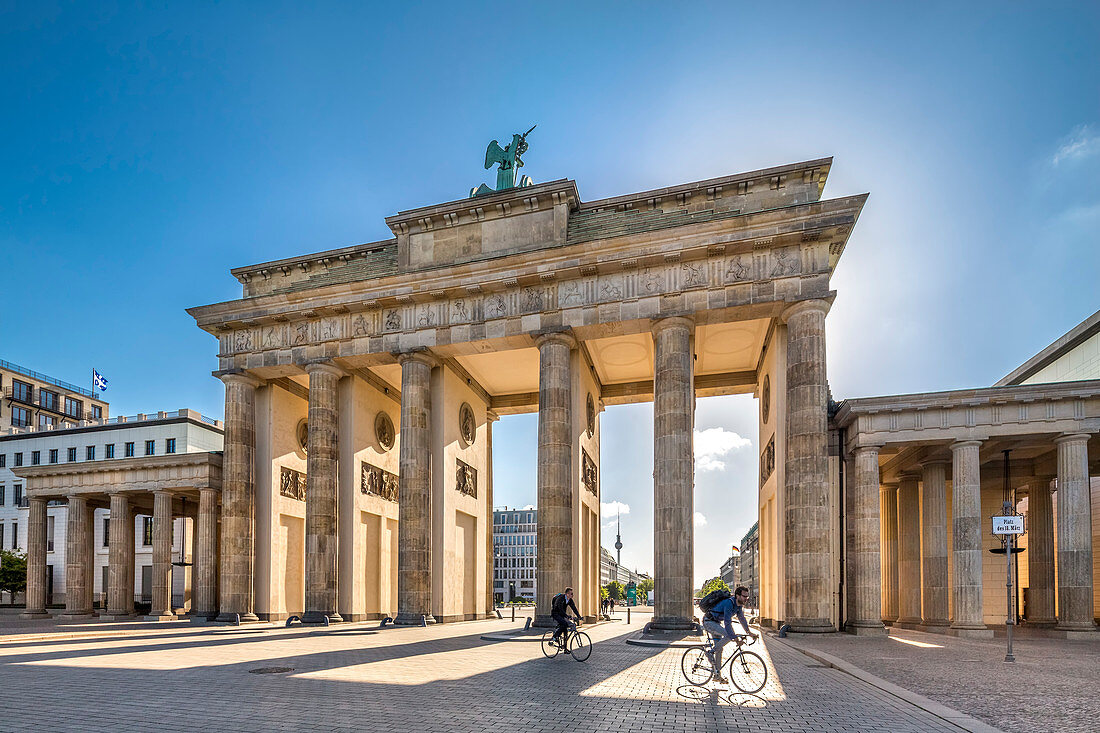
<point>712,599</point>
<point>559,604</point>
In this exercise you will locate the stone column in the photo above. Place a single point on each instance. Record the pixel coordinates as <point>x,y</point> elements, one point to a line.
<point>36,560</point>
<point>238,548</point>
<point>554,538</point>
<point>414,549</point>
<point>807,517</point>
<point>78,560</point>
<point>1040,554</point>
<point>1074,535</point>
<point>966,518</point>
<point>162,558</point>
<point>909,550</point>
<point>889,565</point>
<point>863,560</point>
<point>673,473</point>
<point>321,479</point>
<point>204,601</point>
<point>490,600</point>
<point>933,515</point>
<point>120,579</point>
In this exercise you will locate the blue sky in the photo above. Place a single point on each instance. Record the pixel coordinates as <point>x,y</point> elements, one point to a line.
<point>147,150</point>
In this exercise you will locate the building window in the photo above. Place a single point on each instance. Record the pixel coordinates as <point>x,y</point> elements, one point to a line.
<point>109,450</point>
<point>53,455</point>
<point>2,494</point>
<point>89,453</point>
<point>106,531</point>
<point>74,408</point>
<point>1,535</point>
<point>46,421</point>
<point>22,392</point>
<point>3,460</point>
<point>49,534</point>
<point>20,417</point>
<point>97,412</point>
<point>147,532</point>
<point>72,454</point>
<point>18,459</point>
<point>17,494</point>
<point>129,450</point>
<point>15,535</point>
<point>150,447</point>
<point>36,457</point>
<point>48,399</point>
<point>170,445</point>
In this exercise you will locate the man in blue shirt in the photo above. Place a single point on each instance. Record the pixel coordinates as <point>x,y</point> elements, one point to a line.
<point>718,622</point>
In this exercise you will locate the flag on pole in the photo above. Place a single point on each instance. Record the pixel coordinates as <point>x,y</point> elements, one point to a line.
<point>98,381</point>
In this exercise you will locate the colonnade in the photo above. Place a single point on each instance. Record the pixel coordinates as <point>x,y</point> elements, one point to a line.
<point>914,560</point>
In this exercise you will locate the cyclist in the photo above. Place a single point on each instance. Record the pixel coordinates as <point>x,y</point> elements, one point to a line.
<point>719,623</point>
<point>559,608</point>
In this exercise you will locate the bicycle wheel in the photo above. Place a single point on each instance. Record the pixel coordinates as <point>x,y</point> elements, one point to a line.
<point>550,647</point>
<point>696,665</point>
<point>748,672</point>
<point>580,646</point>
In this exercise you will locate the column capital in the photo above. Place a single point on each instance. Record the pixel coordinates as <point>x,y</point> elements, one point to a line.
<point>491,415</point>
<point>420,355</point>
<point>565,338</point>
<point>239,378</point>
<point>1072,438</point>
<point>909,475</point>
<point>162,492</point>
<point>660,324</point>
<point>934,462</point>
<point>888,486</point>
<point>802,306</point>
<point>324,367</point>
<point>864,449</point>
<point>960,444</point>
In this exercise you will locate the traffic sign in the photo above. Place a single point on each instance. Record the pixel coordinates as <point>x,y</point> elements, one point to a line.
<point>1011,524</point>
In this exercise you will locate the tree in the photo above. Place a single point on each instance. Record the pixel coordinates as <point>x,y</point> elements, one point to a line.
<point>614,590</point>
<point>645,585</point>
<point>603,594</point>
<point>13,572</point>
<point>715,584</point>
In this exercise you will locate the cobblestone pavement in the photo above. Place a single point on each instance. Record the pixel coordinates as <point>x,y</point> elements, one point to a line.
<point>1053,685</point>
<point>440,678</point>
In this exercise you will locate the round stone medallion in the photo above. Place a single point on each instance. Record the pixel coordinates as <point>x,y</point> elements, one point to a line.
<point>590,414</point>
<point>301,433</point>
<point>766,399</point>
<point>467,427</point>
<point>383,431</point>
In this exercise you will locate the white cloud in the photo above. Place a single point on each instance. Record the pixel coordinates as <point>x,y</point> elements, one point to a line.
<point>529,507</point>
<point>712,444</point>
<point>700,520</point>
<point>611,508</point>
<point>1081,143</point>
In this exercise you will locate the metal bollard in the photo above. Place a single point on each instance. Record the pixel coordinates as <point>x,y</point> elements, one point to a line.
<point>628,614</point>
<point>527,625</point>
<point>424,621</point>
<point>513,612</point>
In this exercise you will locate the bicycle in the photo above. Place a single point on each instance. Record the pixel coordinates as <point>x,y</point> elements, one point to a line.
<point>577,643</point>
<point>747,670</point>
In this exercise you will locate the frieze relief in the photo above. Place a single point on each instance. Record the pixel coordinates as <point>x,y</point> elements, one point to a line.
<point>465,479</point>
<point>590,474</point>
<point>292,484</point>
<point>767,461</point>
<point>378,482</point>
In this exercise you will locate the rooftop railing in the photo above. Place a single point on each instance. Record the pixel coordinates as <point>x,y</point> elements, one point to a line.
<point>121,420</point>
<point>46,378</point>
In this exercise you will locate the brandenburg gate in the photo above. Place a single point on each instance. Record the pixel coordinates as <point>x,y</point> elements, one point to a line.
<point>362,384</point>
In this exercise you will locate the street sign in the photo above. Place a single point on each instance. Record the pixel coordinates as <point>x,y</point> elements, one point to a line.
<point>1012,524</point>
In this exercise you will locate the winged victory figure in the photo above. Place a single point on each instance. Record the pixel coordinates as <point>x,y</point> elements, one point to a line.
<point>508,158</point>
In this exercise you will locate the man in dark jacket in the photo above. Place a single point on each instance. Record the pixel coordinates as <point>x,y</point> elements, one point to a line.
<point>559,609</point>
<point>718,622</point>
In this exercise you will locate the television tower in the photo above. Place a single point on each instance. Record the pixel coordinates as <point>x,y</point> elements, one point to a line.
<point>618,540</point>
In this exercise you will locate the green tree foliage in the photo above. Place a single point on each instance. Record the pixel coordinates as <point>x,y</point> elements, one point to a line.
<point>614,590</point>
<point>603,594</point>
<point>13,572</point>
<point>715,584</point>
<point>645,585</point>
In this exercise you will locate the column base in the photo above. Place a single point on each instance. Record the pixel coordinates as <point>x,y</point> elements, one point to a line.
<point>76,616</point>
<point>544,621</point>
<point>319,618</point>
<point>811,626</point>
<point>229,618</point>
<point>866,629</point>
<point>1085,626</point>
<point>672,623</point>
<point>35,614</point>
<point>1041,623</point>
<point>161,617</point>
<point>413,619</point>
<point>112,616</point>
<point>971,632</point>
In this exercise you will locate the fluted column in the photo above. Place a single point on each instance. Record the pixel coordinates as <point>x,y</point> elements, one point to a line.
<point>321,477</point>
<point>78,559</point>
<point>863,560</point>
<point>238,544</point>
<point>889,564</point>
<point>414,549</point>
<point>909,590</point>
<point>934,585</point>
<point>490,601</point>
<point>807,516</point>
<point>1075,610</point>
<point>966,535</point>
<point>554,538</point>
<point>120,579</point>
<point>162,558</point>
<point>1040,554</point>
<point>36,560</point>
<point>204,601</point>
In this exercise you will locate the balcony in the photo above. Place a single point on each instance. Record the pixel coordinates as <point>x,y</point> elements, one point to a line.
<point>21,397</point>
